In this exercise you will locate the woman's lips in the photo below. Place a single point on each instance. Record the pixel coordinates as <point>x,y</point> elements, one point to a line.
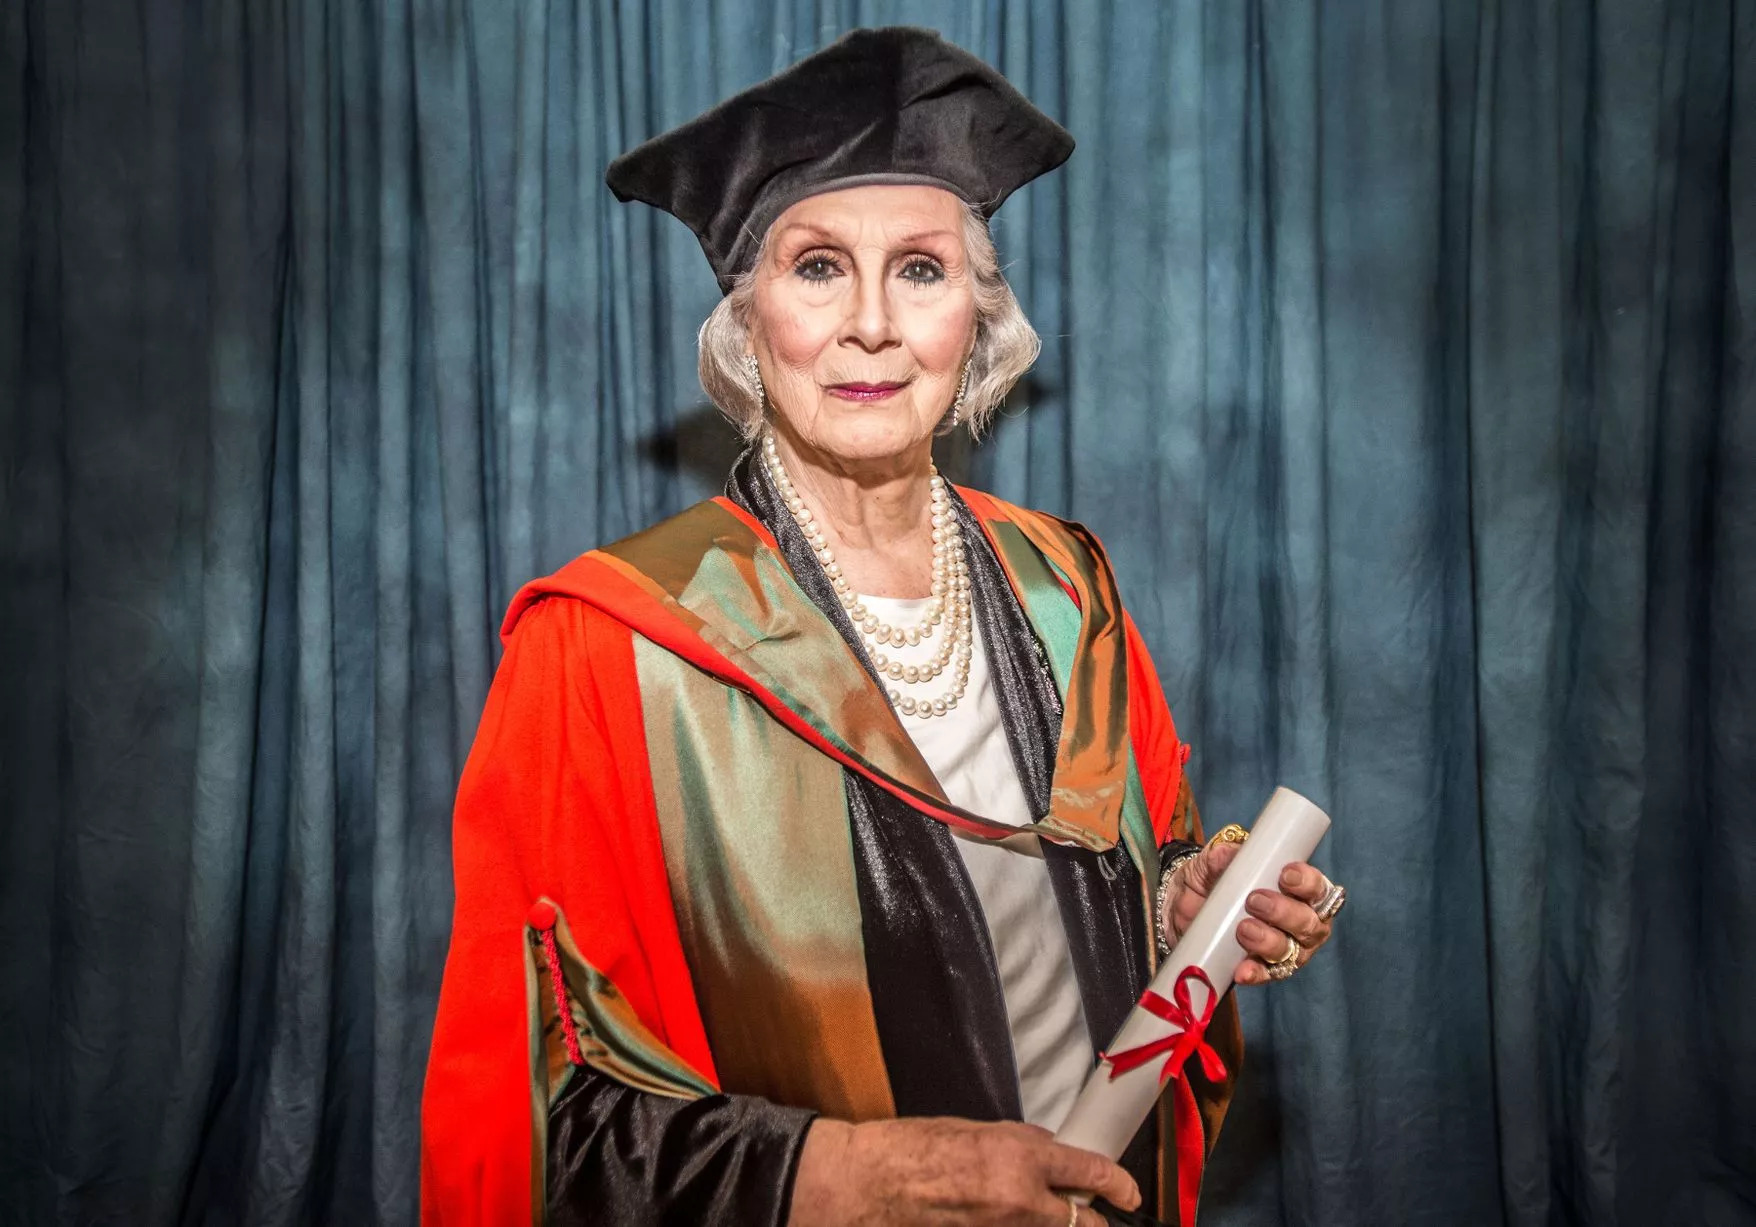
<point>865,391</point>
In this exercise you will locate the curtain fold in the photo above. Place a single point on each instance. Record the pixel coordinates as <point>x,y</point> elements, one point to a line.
<point>1402,355</point>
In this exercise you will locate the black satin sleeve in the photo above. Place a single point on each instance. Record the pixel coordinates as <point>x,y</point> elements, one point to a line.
<point>619,1157</point>
<point>1171,849</point>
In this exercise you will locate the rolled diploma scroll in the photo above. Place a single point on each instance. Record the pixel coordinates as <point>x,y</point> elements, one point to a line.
<point>1109,1111</point>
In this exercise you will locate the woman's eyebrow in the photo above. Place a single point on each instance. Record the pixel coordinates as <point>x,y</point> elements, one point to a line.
<point>823,234</point>
<point>920,236</point>
<point>816,232</point>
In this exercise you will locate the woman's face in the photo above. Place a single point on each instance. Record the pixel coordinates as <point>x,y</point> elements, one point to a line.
<point>863,317</point>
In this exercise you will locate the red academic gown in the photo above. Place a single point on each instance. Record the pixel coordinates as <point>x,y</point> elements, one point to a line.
<point>575,859</point>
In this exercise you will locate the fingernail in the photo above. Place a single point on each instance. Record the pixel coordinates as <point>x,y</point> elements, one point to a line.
<point>1251,931</point>
<point>1258,900</point>
<point>1289,877</point>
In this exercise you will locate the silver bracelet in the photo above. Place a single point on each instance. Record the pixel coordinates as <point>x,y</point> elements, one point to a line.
<point>1162,900</point>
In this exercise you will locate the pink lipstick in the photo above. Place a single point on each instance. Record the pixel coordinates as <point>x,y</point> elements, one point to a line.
<point>864,392</point>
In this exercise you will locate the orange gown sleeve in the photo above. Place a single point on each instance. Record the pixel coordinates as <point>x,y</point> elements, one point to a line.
<point>555,804</point>
<point>1159,755</point>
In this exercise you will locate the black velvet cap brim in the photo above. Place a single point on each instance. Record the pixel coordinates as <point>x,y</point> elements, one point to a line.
<point>895,105</point>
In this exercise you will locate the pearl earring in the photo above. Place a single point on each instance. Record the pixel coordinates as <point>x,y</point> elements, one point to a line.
<point>957,404</point>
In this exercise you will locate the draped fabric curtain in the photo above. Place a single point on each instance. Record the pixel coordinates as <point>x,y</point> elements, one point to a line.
<point>1403,353</point>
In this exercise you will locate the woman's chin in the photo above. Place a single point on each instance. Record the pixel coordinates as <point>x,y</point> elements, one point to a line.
<point>866,433</point>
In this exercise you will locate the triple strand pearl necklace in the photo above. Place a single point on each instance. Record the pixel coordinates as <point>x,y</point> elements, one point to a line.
<point>948,607</point>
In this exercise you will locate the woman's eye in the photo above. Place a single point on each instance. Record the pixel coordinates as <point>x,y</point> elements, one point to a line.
<point>923,272</point>
<point>816,268</point>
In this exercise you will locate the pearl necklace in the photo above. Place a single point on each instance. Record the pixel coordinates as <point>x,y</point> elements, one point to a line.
<point>948,605</point>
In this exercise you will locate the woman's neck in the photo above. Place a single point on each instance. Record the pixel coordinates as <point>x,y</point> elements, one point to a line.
<point>873,506</point>
<point>875,515</point>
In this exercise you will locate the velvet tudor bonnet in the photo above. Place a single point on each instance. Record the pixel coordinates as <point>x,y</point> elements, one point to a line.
<point>895,105</point>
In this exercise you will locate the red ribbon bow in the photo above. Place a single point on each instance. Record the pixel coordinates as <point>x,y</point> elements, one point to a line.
<point>1177,1048</point>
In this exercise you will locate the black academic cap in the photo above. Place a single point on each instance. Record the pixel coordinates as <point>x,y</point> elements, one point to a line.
<point>895,105</point>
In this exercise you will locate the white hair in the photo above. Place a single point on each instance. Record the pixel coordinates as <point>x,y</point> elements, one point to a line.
<point>1005,346</point>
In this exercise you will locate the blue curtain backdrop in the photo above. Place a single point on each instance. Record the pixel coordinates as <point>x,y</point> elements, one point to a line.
<point>1404,354</point>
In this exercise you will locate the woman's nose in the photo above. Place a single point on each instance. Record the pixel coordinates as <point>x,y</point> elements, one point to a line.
<point>870,323</point>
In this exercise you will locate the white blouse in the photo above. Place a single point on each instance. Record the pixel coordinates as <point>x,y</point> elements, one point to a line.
<point>968,752</point>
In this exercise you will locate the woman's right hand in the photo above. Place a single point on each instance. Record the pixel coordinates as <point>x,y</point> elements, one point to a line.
<point>945,1172</point>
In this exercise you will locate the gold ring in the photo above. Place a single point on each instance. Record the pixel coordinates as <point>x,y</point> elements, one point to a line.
<point>1072,1212</point>
<point>1287,963</point>
<point>1330,903</point>
<point>1231,833</point>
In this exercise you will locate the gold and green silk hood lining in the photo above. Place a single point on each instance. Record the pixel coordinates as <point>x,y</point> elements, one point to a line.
<point>759,852</point>
<point>731,588</point>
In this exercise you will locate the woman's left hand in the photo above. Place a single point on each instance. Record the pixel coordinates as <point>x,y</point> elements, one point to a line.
<point>1277,919</point>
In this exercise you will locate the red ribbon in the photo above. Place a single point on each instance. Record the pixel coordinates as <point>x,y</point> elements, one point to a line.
<point>1189,1040</point>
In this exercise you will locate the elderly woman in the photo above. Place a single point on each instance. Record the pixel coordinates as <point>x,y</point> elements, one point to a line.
<point>816,839</point>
